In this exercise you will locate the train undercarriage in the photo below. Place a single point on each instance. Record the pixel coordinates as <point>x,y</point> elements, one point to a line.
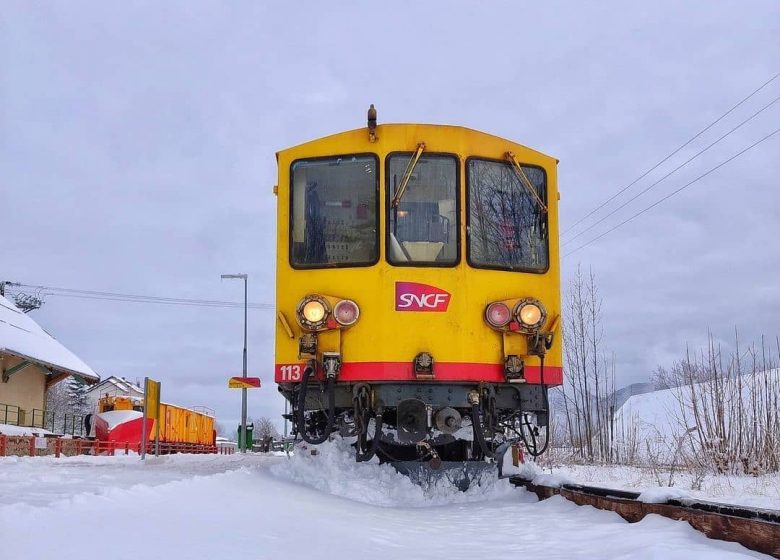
<point>423,427</point>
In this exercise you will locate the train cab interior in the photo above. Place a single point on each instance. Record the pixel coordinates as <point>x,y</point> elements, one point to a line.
<point>335,212</point>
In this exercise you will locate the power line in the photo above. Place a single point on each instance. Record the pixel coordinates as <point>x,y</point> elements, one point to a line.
<point>136,298</point>
<point>673,171</point>
<point>671,194</point>
<point>665,159</point>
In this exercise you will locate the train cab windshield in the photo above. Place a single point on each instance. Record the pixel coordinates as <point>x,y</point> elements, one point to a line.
<point>423,226</point>
<point>507,224</point>
<point>333,212</point>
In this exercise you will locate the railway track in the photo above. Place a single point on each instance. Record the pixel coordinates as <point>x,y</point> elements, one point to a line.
<point>756,529</point>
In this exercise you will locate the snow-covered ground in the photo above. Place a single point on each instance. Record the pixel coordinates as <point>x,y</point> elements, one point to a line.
<point>45,481</point>
<point>11,430</point>
<point>753,491</point>
<point>310,506</point>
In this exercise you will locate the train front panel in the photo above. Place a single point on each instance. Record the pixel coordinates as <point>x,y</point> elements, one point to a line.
<point>423,265</point>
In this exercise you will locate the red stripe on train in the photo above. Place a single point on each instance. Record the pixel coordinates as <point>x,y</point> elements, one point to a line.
<point>443,371</point>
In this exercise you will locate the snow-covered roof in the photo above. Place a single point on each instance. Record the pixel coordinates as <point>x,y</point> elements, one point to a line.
<point>21,336</point>
<point>122,385</point>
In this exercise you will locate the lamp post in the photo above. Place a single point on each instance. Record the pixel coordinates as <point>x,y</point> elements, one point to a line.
<point>242,444</point>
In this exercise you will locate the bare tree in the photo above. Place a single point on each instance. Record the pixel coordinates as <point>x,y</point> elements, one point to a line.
<point>728,413</point>
<point>58,399</point>
<point>265,428</point>
<point>589,372</point>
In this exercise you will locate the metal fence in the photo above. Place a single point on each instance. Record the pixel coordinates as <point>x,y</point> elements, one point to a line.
<point>38,418</point>
<point>41,446</point>
<point>71,424</point>
<point>10,414</point>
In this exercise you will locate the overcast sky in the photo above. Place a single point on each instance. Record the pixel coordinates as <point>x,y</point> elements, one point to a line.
<point>137,145</point>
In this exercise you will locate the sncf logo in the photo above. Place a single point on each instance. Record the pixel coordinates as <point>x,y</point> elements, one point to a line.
<point>411,296</point>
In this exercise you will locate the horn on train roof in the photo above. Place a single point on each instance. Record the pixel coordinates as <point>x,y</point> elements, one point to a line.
<point>372,123</point>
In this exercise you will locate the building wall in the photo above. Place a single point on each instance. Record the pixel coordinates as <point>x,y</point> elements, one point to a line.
<point>25,389</point>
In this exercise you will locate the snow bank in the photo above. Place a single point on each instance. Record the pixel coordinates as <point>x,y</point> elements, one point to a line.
<point>661,495</point>
<point>658,424</point>
<point>333,470</point>
<point>751,491</point>
<point>11,430</point>
<point>534,473</point>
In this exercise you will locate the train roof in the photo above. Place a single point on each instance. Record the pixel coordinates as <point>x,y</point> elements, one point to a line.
<point>393,127</point>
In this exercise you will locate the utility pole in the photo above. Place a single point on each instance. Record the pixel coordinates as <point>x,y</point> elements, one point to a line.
<point>242,444</point>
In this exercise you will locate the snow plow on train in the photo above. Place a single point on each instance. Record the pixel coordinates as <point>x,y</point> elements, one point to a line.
<point>418,293</point>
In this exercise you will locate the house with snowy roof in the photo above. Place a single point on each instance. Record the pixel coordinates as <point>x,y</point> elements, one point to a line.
<point>31,362</point>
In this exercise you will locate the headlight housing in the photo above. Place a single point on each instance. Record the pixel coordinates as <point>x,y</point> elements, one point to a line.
<point>498,315</point>
<point>530,314</point>
<point>346,312</point>
<point>313,312</point>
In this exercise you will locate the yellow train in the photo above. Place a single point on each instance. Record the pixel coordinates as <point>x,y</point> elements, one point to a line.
<point>418,291</point>
<point>120,419</point>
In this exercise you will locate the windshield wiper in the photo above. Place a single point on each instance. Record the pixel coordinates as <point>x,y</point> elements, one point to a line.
<point>408,175</point>
<point>525,181</point>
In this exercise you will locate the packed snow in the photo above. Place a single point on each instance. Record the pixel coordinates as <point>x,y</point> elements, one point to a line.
<point>661,495</point>
<point>751,491</point>
<point>319,505</point>
<point>662,423</point>
<point>12,430</point>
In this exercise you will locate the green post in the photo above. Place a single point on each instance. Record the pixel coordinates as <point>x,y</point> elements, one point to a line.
<point>246,445</point>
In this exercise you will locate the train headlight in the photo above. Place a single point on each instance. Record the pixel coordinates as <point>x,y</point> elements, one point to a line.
<point>312,312</point>
<point>531,315</point>
<point>346,312</point>
<point>497,315</point>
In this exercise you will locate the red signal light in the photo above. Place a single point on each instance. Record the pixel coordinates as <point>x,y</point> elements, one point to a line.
<point>346,312</point>
<point>498,315</point>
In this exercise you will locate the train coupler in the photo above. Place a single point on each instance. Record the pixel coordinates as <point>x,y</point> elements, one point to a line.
<point>331,363</point>
<point>514,369</point>
<point>423,366</point>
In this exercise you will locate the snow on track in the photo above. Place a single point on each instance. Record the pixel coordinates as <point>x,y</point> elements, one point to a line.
<point>334,470</point>
<point>745,490</point>
<point>257,507</point>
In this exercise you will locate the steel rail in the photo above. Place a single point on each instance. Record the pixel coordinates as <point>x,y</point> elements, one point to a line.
<point>753,528</point>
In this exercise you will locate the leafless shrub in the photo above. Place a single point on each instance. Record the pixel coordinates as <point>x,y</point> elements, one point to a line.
<point>265,428</point>
<point>589,386</point>
<point>728,404</point>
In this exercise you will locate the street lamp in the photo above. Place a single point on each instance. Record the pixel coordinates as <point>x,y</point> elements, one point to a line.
<point>242,443</point>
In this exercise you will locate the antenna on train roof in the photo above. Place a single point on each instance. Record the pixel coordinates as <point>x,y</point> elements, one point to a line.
<point>372,124</point>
